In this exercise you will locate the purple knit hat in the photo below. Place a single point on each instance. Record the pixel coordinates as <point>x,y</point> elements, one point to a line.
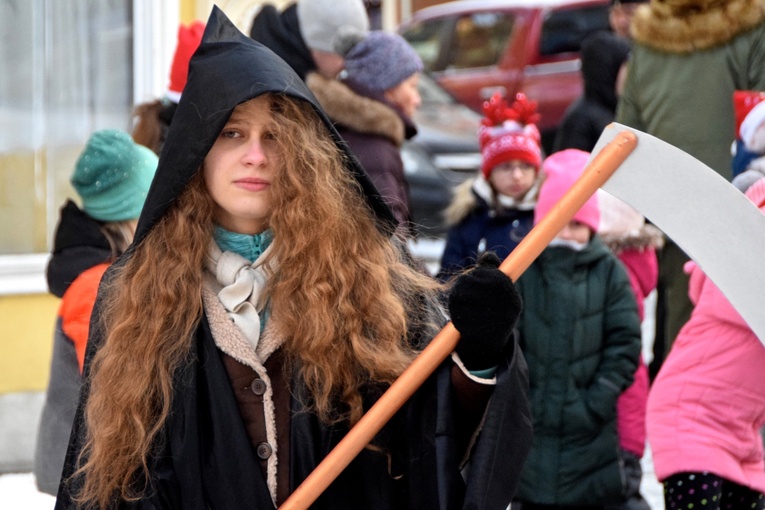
<point>378,60</point>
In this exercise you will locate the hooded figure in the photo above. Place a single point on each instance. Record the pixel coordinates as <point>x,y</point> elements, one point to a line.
<point>603,55</point>
<point>232,409</point>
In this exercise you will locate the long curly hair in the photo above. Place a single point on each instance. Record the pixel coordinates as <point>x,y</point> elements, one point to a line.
<point>339,292</point>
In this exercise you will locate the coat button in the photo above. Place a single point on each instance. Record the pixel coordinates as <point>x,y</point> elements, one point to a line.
<point>264,451</point>
<point>258,386</point>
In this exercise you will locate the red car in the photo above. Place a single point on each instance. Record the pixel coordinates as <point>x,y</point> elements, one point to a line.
<point>476,47</point>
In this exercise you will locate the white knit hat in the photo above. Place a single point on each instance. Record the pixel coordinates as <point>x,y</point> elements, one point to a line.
<point>320,20</point>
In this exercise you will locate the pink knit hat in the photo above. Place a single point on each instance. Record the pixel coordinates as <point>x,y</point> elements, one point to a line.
<point>560,171</point>
<point>509,132</point>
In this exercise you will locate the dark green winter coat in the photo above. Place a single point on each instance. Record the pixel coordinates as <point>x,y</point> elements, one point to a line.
<point>580,334</point>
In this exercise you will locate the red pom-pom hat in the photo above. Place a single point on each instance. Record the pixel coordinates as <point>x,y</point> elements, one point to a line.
<point>509,132</point>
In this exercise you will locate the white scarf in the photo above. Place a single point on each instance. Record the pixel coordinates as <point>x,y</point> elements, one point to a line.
<point>243,283</point>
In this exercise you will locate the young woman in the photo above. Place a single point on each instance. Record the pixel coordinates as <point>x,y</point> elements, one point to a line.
<point>262,309</point>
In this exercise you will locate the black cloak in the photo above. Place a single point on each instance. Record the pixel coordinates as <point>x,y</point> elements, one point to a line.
<point>205,460</point>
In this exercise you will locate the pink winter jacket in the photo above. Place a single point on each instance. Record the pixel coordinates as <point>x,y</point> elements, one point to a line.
<point>643,271</point>
<point>707,404</point>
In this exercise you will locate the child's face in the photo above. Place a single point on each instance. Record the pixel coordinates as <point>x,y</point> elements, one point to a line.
<point>575,231</point>
<point>405,95</point>
<point>513,178</point>
<point>240,168</point>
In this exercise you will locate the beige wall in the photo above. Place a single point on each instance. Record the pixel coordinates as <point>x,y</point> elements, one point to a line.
<point>27,340</point>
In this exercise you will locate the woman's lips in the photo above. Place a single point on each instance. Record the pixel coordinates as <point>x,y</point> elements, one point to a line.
<point>252,184</point>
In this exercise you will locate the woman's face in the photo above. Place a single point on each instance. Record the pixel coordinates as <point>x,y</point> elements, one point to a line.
<point>240,168</point>
<point>513,178</point>
<point>406,95</point>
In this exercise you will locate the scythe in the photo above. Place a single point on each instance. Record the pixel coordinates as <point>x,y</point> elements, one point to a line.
<point>670,188</point>
<point>712,221</point>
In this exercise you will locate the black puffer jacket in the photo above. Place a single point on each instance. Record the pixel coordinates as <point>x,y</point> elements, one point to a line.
<point>78,245</point>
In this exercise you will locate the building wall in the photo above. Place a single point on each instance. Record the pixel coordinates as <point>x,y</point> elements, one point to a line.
<point>55,95</point>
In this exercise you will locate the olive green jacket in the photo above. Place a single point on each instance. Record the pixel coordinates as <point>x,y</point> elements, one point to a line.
<point>683,70</point>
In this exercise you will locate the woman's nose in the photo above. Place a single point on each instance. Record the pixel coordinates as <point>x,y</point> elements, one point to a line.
<point>255,155</point>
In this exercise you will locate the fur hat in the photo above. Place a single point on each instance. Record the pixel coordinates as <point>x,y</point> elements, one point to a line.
<point>509,133</point>
<point>189,38</point>
<point>377,60</point>
<point>113,175</point>
<point>560,171</point>
<point>320,20</point>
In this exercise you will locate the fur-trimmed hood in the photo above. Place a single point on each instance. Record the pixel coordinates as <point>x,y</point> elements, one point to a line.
<point>477,192</point>
<point>647,237</point>
<point>683,26</point>
<point>357,112</point>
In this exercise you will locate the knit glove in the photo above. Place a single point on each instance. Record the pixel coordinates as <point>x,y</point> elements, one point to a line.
<point>484,306</point>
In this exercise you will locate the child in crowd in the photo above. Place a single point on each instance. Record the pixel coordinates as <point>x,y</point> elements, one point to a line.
<point>372,107</point>
<point>749,147</point>
<point>707,405</point>
<point>580,333</point>
<point>634,242</point>
<point>265,305</point>
<point>495,210</point>
<point>111,177</point>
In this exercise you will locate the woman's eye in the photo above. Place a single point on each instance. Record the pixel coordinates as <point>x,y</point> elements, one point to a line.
<point>228,133</point>
<point>269,135</point>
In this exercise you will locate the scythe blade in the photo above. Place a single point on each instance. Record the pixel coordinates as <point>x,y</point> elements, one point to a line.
<point>713,222</point>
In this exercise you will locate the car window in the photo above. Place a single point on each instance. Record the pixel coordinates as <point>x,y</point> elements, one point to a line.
<point>563,31</point>
<point>426,38</point>
<point>432,93</point>
<point>479,40</point>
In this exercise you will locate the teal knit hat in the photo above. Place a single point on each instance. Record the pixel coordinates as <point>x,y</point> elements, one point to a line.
<point>113,175</point>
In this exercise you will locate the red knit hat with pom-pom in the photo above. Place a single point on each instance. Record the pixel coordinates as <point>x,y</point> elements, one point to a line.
<point>509,132</point>
<point>189,38</point>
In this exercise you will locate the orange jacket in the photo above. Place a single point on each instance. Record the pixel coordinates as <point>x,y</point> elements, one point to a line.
<point>77,306</point>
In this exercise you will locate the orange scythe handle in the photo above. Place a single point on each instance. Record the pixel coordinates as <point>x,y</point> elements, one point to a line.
<point>595,175</point>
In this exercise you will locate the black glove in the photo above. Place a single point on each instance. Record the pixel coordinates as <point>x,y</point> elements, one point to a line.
<point>484,306</point>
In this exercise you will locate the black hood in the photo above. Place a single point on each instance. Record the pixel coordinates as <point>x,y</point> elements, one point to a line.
<point>227,69</point>
<point>603,53</point>
<point>281,33</point>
